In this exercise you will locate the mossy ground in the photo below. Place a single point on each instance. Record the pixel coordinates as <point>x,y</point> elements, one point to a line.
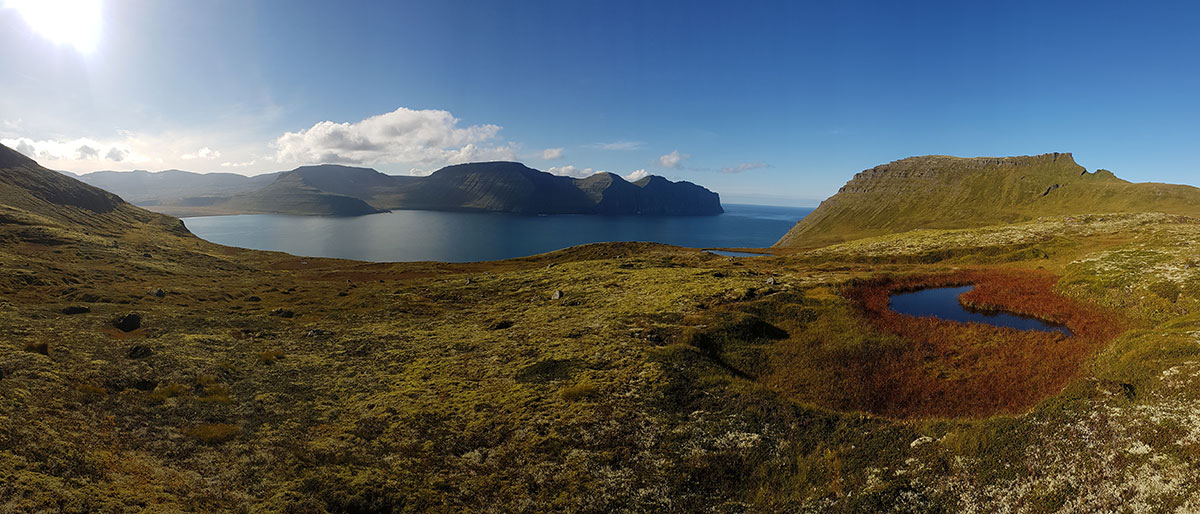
<point>656,382</point>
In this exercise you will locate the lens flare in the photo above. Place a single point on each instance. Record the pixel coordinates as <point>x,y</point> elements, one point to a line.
<point>64,22</point>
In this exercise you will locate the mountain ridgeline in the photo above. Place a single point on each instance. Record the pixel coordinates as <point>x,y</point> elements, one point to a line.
<point>349,191</point>
<point>942,192</point>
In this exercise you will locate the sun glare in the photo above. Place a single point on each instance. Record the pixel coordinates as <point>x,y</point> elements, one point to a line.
<point>65,22</point>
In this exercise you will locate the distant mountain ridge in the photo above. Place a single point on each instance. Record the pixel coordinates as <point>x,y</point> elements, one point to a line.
<point>331,189</point>
<point>952,192</point>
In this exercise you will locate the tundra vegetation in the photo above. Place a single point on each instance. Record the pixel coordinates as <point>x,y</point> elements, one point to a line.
<point>608,377</point>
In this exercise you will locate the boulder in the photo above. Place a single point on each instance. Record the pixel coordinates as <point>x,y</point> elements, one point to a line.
<point>128,322</point>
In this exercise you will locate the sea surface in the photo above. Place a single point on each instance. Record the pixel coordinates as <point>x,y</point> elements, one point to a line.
<point>942,302</point>
<point>468,237</point>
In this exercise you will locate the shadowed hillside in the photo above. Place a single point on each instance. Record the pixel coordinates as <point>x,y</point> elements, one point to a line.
<point>953,192</point>
<point>35,199</point>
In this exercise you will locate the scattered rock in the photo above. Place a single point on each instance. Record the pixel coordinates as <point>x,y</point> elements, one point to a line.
<point>42,348</point>
<point>500,325</point>
<point>128,322</point>
<point>283,313</point>
<point>920,441</point>
<point>551,265</point>
<point>140,351</point>
<point>468,280</point>
<point>316,332</point>
<point>157,292</point>
<point>253,299</point>
<point>146,255</point>
<point>76,309</point>
<point>343,293</point>
<point>770,281</point>
<point>718,274</point>
<point>1129,390</point>
<point>558,294</point>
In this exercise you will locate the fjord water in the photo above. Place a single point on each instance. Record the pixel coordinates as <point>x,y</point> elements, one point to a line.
<point>942,302</point>
<point>468,236</point>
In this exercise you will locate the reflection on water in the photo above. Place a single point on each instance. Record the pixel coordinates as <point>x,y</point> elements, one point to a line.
<point>943,303</point>
<point>465,237</point>
<point>728,253</point>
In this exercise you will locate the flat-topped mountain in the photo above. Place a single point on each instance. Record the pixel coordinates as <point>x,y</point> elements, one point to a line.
<point>346,190</point>
<point>951,192</point>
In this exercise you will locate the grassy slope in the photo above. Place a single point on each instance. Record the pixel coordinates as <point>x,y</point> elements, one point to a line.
<point>951,192</point>
<point>451,387</point>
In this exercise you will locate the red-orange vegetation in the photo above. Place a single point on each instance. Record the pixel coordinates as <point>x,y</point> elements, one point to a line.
<point>951,369</point>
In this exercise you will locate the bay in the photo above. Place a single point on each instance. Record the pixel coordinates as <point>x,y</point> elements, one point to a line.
<point>471,236</point>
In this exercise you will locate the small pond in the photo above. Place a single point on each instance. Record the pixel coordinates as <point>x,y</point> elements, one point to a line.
<point>943,303</point>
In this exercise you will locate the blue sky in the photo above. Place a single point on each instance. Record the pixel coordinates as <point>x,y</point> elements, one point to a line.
<point>764,102</point>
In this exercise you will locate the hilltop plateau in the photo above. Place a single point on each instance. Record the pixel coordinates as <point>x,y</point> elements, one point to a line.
<point>938,192</point>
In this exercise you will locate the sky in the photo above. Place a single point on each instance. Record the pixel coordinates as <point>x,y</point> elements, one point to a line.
<point>764,102</point>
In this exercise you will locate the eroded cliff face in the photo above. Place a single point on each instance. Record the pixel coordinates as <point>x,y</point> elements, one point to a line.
<point>952,192</point>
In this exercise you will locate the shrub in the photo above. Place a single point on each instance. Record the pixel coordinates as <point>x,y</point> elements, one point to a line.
<point>212,433</point>
<point>90,391</point>
<point>270,356</point>
<point>578,391</point>
<point>168,391</point>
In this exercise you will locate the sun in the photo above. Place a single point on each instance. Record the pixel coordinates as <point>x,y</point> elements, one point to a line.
<point>65,22</point>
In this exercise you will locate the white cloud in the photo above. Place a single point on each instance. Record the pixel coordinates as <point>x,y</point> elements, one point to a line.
<point>241,164</point>
<point>51,152</point>
<point>425,137</point>
<point>637,175</point>
<point>203,153</point>
<point>618,145</point>
<point>745,166</point>
<point>672,159</point>
<point>551,154</point>
<point>571,171</point>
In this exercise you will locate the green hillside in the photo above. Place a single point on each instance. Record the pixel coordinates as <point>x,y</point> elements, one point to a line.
<point>945,192</point>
